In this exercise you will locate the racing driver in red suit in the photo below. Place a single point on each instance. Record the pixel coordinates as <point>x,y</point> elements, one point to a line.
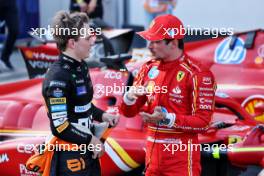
<point>175,96</point>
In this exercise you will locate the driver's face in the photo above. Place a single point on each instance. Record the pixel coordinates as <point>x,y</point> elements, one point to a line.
<point>84,45</point>
<point>159,49</point>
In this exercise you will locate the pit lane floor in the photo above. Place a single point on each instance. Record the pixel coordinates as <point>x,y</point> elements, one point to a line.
<point>19,73</point>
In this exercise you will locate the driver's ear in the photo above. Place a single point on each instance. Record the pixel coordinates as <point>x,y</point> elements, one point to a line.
<point>71,43</point>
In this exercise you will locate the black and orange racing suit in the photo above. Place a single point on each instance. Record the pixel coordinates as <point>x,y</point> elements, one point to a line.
<point>68,92</point>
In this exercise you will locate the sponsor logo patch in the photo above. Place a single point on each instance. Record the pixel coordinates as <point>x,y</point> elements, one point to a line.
<point>59,121</point>
<point>176,90</point>
<point>62,127</point>
<point>81,90</point>
<point>180,76</point>
<point>57,93</point>
<point>80,81</point>
<point>205,94</point>
<point>150,86</point>
<point>57,100</point>
<point>225,55</point>
<point>80,109</point>
<point>206,89</point>
<point>58,108</point>
<point>57,115</point>
<point>153,72</point>
<point>57,84</point>
<point>207,80</point>
<point>206,107</point>
<point>204,100</point>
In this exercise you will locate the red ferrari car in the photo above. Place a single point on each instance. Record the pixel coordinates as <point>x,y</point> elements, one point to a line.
<point>24,124</point>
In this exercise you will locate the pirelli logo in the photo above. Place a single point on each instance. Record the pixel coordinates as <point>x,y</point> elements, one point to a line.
<point>58,100</point>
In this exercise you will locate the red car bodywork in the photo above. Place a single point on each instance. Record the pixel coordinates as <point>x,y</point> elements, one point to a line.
<point>23,119</point>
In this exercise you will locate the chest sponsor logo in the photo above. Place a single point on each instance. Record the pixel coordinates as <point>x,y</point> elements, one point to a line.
<point>57,115</point>
<point>58,108</point>
<point>153,72</point>
<point>206,89</point>
<point>150,87</point>
<point>80,109</point>
<point>57,84</point>
<point>204,100</point>
<point>176,93</point>
<point>81,90</point>
<point>57,100</point>
<point>205,107</point>
<point>59,121</point>
<point>57,93</point>
<point>180,76</point>
<point>80,81</point>
<point>201,94</point>
<point>225,55</point>
<point>207,80</point>
<point>179,101</point>
<point>176,90</point>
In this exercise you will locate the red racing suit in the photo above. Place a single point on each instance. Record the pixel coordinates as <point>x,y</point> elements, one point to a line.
<point>185,90</point>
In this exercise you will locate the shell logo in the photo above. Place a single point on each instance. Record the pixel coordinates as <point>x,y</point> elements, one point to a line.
<point>254,105</point>
<point>150,86</point>
<point>258,60</point>
<point>29,54</point>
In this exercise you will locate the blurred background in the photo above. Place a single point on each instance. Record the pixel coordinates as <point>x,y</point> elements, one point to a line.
<point>116,14</point>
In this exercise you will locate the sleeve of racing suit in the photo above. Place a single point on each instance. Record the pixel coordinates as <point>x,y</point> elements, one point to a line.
<point>97,113</point>
<point>130,110</point>
<point>56,94</point>
<point>203,87</point>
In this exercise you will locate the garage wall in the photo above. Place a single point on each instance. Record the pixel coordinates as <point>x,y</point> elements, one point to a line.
<point>48,9</point>
<point>239,14</point>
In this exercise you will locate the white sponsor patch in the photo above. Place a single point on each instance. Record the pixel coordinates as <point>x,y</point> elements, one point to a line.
<point>208,107</point>
<point>59,121</point>
<point>57,115</point>
<point>207,80</point>
<point>206,94</point>
<point>57,84</point>
<point>204,100</point>
<point>177,90</point>
<point>80,109</point>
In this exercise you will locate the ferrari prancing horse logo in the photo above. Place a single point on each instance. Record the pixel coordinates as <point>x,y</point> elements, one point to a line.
<point>180,75</point>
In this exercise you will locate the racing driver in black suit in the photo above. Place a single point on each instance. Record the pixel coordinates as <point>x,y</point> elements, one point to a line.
<point>68,93</point>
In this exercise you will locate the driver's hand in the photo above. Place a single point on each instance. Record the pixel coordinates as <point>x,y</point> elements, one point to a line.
<point>98,147</point>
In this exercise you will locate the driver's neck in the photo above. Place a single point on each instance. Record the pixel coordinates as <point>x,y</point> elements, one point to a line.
<point>72,55</point>
<point>174,56</point>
